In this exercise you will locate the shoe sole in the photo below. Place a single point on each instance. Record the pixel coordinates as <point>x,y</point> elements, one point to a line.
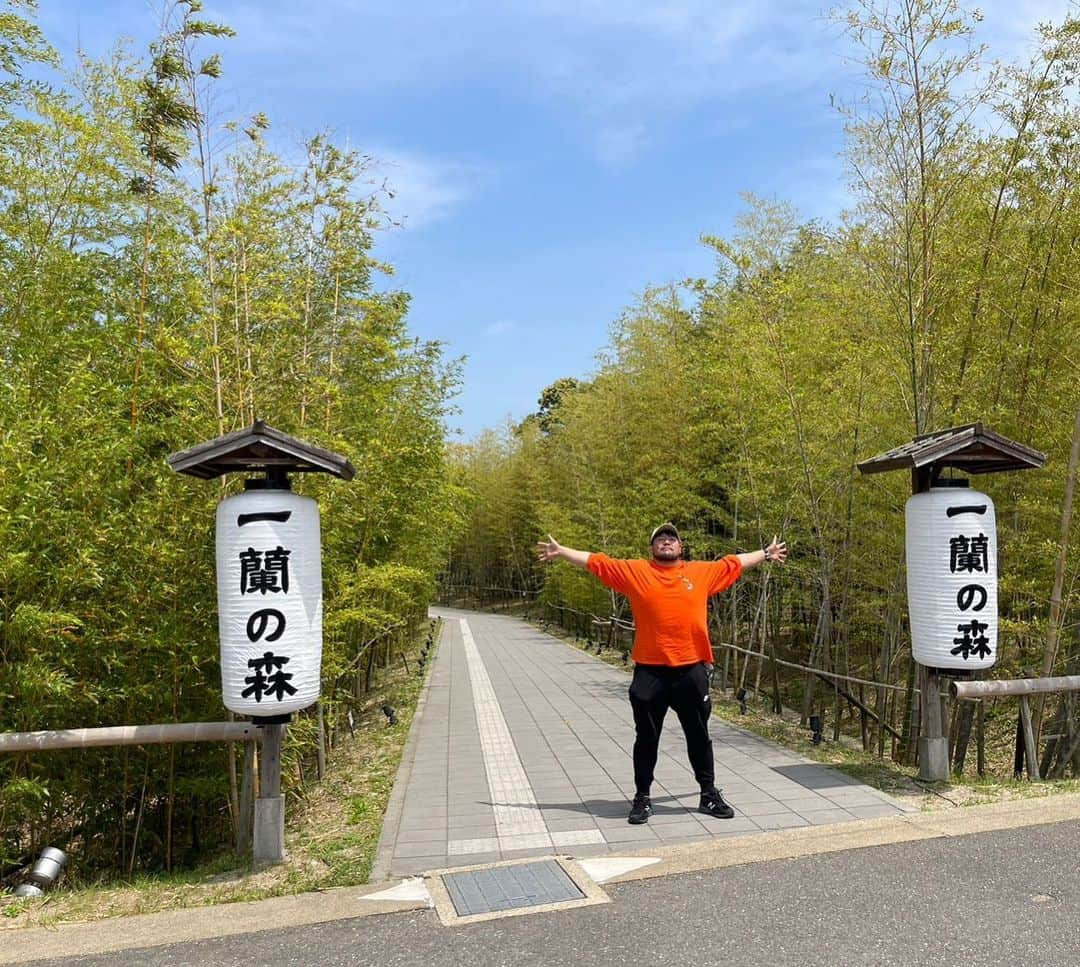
<point>638,822</point>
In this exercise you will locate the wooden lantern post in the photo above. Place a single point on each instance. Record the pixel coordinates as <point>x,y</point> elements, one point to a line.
<point>972,449</point>
<point>261,634</point>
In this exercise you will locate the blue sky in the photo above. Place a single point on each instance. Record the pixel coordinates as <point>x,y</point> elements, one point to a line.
<point>551,158</point>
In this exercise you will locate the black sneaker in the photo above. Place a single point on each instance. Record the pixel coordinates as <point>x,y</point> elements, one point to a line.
<point>640,811</point>
<point>712,804</point>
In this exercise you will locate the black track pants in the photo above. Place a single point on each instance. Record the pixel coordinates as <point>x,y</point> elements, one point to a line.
<point>685,688</point>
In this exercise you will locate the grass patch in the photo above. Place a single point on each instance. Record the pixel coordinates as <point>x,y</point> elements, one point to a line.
<point>331,836</point>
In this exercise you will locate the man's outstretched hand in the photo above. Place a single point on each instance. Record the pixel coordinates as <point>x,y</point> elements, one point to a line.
<point>548,551</point>
<point>551,550</point>
<point>776,551</point>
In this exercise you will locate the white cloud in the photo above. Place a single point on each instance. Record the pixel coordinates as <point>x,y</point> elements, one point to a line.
<point>605,56</point>
<point>610,67</point>
<point>500,328</point>
<point>426,189</point>
<point>621,57</point>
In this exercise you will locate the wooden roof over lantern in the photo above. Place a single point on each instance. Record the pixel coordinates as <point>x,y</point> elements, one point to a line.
<point>972,448</point>
<point>258,447</point>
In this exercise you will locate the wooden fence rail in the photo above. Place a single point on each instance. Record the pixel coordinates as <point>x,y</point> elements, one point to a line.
<point>1025,733</point>
<point>129,735</point>
<point>1014,686</point>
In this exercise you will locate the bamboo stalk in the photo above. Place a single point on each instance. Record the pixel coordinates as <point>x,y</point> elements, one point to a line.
<point>1053,631</point>
<point>320,747</point>
<point>138,818</point>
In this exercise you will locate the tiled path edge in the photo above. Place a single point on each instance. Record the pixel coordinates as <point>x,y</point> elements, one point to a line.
<point>380,868</point>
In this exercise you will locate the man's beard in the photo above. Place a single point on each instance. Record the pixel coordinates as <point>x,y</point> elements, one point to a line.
<point>666,554</point>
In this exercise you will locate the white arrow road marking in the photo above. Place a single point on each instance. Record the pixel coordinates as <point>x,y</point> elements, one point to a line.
<point>412,889</point>
<point>604,868</point>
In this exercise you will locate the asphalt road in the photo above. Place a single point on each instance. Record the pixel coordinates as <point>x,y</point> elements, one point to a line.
<point>1010,897</point>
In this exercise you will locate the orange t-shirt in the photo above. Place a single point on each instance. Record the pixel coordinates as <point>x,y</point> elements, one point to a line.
<point>670,604</point>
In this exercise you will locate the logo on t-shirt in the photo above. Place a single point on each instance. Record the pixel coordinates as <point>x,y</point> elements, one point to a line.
<point>687,583</point>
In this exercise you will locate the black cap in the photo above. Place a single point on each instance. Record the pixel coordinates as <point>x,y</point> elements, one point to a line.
<point>665,528</point>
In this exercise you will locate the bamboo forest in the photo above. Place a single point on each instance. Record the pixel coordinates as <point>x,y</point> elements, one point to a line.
<point>170,276</point>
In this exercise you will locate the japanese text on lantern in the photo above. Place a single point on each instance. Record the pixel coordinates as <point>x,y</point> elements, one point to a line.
<point>970,554</point>
<point>265,572</point>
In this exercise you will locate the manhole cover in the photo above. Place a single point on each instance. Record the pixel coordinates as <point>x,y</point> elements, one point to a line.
<point>507,887</point>
<point>510,889</point>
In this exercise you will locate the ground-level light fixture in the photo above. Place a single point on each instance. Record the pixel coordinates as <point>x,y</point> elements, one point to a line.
<point>43,874</point>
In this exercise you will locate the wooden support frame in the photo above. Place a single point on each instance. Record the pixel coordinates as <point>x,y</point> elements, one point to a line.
<point>861,706</point>
<point>1026,744</point>
<point>268,837</point>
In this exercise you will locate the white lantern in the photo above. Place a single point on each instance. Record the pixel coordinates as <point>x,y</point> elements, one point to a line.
<point>269,578</point>
<point>952,578</point>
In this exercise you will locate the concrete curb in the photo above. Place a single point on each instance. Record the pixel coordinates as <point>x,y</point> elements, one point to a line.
<point>201,923</point>
<point>861,834</point>
<point>195,923</point>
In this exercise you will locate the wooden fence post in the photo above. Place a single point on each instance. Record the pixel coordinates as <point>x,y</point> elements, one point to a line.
<point>1029,738</point>
<point>980,740</point>
<point>247,795</point>
<point>320,746</point>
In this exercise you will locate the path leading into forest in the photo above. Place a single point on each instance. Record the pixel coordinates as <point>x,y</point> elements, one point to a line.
<point>522,747</point>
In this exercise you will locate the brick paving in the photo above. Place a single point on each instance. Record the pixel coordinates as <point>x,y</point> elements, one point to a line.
<point>521,747</point>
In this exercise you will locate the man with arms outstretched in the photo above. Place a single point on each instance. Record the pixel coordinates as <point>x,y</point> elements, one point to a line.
<point>672,654</point>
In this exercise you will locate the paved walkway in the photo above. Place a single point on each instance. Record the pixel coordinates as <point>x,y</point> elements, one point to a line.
<point>521,747</point>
